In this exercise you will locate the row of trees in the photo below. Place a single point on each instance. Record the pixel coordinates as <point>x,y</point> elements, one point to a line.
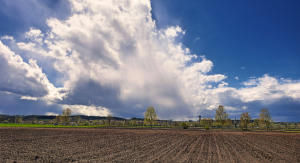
<point>264,119</point>
<point>221,119</point>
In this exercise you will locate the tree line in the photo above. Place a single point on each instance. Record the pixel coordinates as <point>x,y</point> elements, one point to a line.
<point>221,120</point>
<point>264,120</point>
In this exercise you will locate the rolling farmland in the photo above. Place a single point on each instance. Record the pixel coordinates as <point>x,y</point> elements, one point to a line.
<point>132,145</point>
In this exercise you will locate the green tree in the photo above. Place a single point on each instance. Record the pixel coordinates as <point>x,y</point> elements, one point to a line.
<point>228,123</point>
<point>56,119</point>
<point>221,116</point>
<point>67,112</point>
<point>245,120</point>
<point>77,120</point>
<point>256,123</point>
<point>184,125</point>
<point>265,118</point>
<point>18,119</point>
<point>150,116</point>
<point>132,122</point>
<point>292,125</point>
<point>206,122</point>
<point>59,119</point>
<point>34,120</point>
<point>66,115</point>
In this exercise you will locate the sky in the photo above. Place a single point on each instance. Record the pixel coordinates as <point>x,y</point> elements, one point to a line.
<point>119,57</point>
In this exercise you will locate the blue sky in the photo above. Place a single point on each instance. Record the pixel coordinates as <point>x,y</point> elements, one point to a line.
<point>243,38</point>
<point>184,58</point>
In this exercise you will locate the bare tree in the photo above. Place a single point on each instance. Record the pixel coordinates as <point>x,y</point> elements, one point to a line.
<point>109,118</point>
<point>245,120</point>
<point>221,115</point>
<point>150,116</point>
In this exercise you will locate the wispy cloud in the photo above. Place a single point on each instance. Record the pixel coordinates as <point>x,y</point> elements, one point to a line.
<point>28,98</point>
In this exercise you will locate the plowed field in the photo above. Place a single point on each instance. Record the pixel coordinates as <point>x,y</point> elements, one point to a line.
<point>130,145</point>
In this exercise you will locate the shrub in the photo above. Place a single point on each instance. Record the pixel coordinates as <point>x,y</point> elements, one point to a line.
<point>207,127</point>
<point>184,125</point>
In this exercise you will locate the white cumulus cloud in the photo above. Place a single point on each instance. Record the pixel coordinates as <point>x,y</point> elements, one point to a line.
<point>88,110</point>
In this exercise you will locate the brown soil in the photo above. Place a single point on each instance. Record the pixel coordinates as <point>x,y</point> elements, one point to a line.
<point>130,145</point>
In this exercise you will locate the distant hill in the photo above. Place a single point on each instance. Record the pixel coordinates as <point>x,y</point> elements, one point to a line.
<point>11,118</point>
